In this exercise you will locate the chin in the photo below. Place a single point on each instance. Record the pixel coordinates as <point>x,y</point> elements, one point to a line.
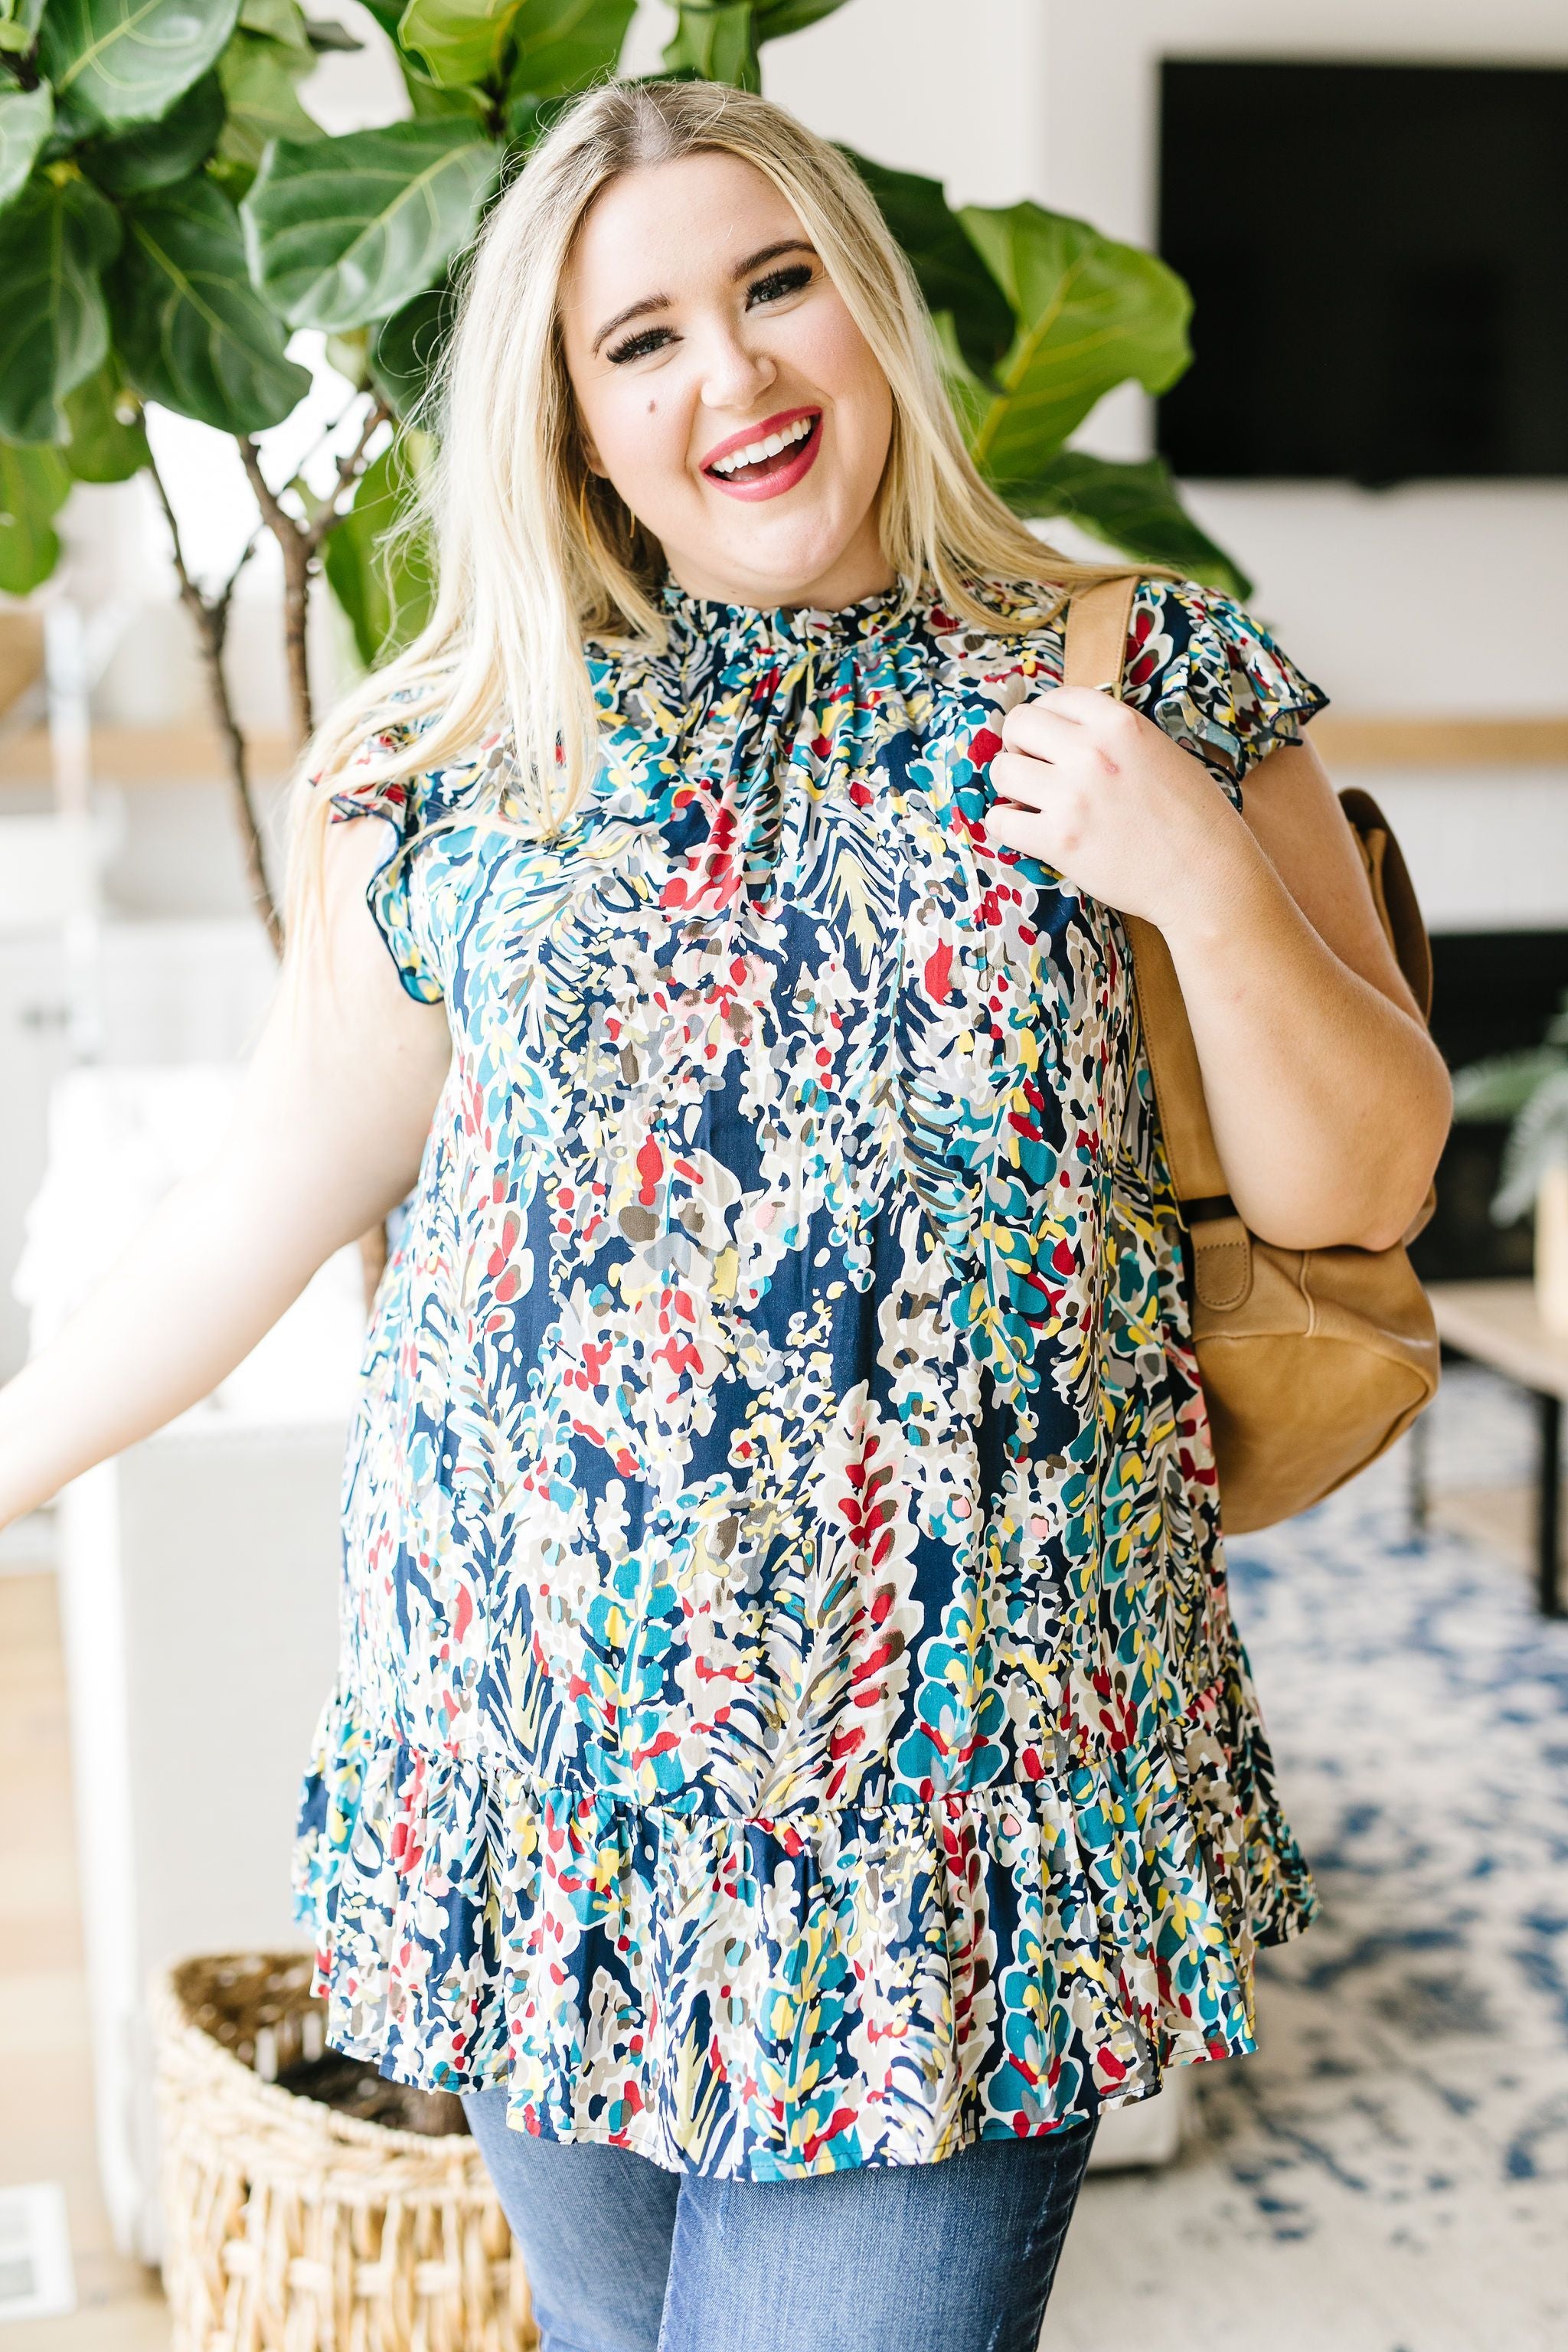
<point>778,569</point>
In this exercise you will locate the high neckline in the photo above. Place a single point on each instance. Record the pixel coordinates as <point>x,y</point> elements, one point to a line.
<point>780,627</point>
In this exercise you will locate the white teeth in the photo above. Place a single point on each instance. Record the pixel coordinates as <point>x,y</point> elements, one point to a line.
<point>755,451</point>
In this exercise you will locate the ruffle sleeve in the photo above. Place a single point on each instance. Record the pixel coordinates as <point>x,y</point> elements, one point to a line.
<point>404,803</point>
<point>1213,680</point>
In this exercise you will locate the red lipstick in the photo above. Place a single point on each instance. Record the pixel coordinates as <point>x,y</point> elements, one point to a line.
<point>771,475</point>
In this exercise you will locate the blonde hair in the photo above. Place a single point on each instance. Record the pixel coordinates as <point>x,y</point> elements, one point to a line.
<point>535,552</point>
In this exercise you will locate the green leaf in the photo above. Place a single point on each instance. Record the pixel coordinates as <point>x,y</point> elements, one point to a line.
<point>1133,507</point>
<point>341,231</point>
<point>27,119</point>
<point>560,44</point>
<point>1537,1140</point>
<point>326,35</point>
<point>1500,1087</point>
<point>385,585</point>
<point>1090,313</point>
<point>20,22</point>
<point>191,329</point>
<point>107,442</point>
<point>258,74</point>
<point>716,40</point>
<point>54,328</point>
<point>952,276</point>
<point>156,155</point>
<point>775,19</point>
<point>282,21</point>
<point>34,486</point>
<point>432,104</point>
<point>349,353</point>
<point>528,117</point>
<point>405,348</point>
<point>459,42</point>
<point>126,60</point>
<point>719,40</point>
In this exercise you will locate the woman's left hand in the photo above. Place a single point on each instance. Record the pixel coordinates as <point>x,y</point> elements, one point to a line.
<point>1096,791</point>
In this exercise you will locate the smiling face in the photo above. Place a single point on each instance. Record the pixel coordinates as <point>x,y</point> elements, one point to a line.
<point>724,389</point>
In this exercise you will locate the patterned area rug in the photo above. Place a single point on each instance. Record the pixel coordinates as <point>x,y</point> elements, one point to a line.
<point>1390,2173</point>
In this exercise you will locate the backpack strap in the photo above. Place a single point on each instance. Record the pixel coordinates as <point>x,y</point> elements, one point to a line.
<point>1097,619</point>
<point>1095,651</point>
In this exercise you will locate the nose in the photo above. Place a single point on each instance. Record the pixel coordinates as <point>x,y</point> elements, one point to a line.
<point>733,376</point>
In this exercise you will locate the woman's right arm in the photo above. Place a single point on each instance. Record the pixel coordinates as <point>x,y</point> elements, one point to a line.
<point>326,1138</point>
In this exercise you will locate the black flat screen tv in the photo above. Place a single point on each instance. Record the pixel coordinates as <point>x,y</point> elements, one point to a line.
<point>1378,257</point>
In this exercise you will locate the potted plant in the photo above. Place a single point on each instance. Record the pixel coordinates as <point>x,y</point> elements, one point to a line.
<point>1530,1090</point>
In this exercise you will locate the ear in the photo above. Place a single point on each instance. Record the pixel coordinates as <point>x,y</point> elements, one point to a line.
<point>590,453</point>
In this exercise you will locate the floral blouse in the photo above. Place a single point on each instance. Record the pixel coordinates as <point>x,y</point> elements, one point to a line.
<point>790,1715</point>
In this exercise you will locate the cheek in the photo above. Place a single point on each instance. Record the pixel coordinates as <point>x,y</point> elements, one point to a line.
<point>641,439</point>
<point>843,365</point>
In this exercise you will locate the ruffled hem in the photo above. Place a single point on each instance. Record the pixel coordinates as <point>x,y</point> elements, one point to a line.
<point>766,1999</point>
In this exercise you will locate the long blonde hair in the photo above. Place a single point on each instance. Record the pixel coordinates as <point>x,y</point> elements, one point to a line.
<point>535,552</point>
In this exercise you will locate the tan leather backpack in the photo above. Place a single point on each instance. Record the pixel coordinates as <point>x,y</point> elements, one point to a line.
<point>1313,1361</point>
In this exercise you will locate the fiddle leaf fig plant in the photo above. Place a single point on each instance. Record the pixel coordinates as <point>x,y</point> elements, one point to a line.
<point>171,214</point>
<point>1530,1089</point>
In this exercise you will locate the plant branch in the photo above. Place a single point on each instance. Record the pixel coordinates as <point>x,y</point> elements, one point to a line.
<point>226,592</point>
<point>293,544</point>
<point>210,616</point>
<point>350,468</point>
<point>299,542</point>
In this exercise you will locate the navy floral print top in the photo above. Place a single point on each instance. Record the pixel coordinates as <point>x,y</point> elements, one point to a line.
<point>790,1717</point>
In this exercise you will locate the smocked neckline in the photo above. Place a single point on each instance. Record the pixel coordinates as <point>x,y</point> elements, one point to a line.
<point>767,627</point>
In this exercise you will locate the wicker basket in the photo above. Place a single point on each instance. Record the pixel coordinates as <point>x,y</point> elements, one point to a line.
<point>292,2227</point>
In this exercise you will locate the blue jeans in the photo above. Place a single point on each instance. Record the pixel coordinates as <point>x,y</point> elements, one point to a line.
<point>625,2257</point>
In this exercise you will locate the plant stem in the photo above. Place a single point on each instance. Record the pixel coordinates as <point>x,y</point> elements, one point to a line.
<point>299,544</point>
<point>293,544</point>
<point>211,616</point>
<point>328,515</point>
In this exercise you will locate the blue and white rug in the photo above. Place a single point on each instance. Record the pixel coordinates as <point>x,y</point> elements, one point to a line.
<point>1390,2173</point>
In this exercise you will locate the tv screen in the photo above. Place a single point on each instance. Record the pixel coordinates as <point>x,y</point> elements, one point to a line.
<point>1378,256</point>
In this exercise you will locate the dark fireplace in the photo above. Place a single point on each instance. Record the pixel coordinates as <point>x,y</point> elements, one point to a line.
<point>1493,992</point>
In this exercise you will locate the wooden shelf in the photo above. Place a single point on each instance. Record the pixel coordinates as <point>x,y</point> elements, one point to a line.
<point>145,755</point>
<point>1346,741</point>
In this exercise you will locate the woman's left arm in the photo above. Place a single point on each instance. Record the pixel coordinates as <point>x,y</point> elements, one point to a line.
<point>1328,1099</point>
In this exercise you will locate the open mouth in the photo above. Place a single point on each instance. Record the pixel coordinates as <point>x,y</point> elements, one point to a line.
<point>772,456</point>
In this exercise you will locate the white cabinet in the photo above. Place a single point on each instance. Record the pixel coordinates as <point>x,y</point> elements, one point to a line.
<point>199,1580</point>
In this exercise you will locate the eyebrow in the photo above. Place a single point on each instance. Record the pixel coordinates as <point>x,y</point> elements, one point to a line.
<point>662,301</point>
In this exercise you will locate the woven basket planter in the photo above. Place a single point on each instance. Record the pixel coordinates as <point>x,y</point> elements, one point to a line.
<point>292,2227</point>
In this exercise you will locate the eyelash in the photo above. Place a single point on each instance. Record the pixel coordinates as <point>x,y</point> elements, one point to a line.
<point>770,289</point>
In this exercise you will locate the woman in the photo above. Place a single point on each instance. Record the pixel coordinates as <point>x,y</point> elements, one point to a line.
<point>792,1764</point>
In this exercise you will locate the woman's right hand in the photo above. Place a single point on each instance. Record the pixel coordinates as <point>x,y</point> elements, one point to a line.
<point>326,1138</point>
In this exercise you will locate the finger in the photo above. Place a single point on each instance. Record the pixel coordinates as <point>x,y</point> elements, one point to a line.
<point>1086,703</point>
<point>1019,776</point>
<point>1022,829</point>
<point>1051,724</point>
